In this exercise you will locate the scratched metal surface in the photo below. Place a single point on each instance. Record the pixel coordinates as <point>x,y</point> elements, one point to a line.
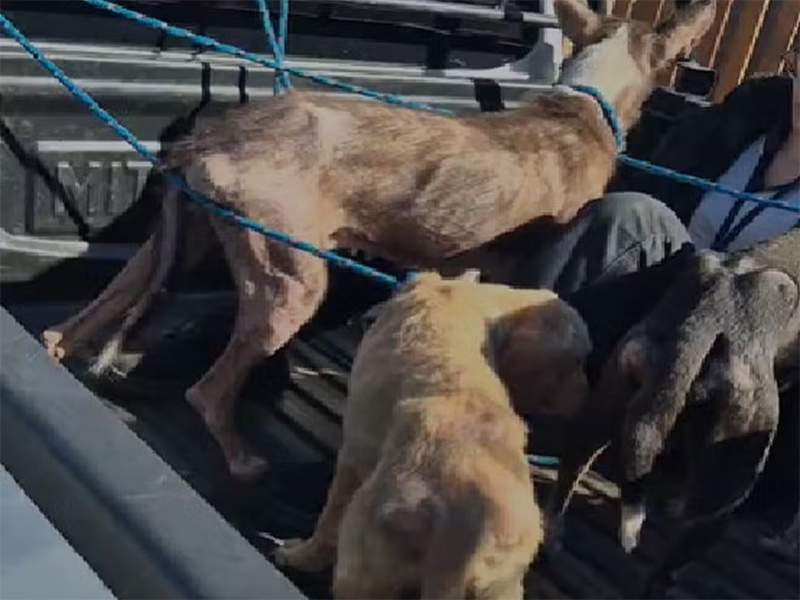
<point>294,417</point>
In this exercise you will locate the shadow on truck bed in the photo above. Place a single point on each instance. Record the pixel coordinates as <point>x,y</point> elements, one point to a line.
<point>292,412</point>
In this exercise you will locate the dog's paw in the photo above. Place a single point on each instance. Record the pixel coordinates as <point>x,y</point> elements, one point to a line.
<point>554,538</point>
<point>630,527</point>
<point>52,340</point>
<point>248,467</point>
<point>785,546</point>
<point>303,555</point>
<point>284,555</point>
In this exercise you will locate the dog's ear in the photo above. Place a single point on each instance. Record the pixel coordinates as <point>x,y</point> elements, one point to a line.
<point>369,317</point>
<point>736,449</point>
<point>577,20</point>
<point>541,355</point>
<point>681,33</point>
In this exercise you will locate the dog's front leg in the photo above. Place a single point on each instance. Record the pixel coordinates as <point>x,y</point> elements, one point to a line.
<point>784,544</point>
<point>319,551</point>
<point>589,434</point>
<point>279,290</point>
<point>692,540</point>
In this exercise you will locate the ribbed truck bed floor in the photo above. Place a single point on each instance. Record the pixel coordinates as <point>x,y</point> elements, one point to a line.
<point>299,430</point>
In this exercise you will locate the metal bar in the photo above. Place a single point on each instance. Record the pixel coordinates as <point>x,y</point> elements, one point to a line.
<point>453,9</point>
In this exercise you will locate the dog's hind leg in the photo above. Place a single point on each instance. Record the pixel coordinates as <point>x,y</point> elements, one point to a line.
<point>279,290</point>
<point>130,285</point>
<point>121,293</point>
<point>368,564</point>
<point>319,551</point>
<point>167,244</point>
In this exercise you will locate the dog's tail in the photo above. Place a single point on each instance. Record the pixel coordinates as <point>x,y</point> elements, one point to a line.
<point>165,249</point>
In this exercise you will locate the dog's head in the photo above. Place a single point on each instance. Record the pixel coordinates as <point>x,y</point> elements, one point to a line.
<point>542,352</point>
<point>703,358</point>
<point>619,57</point>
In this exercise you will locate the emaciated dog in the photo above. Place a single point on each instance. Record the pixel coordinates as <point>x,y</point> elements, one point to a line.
<point>408,186</point>
<point>697,378</point>
<point>432,487</point>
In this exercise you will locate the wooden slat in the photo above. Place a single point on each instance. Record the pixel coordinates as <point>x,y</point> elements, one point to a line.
<point>780,26</point>
<point>622,8</point>
<point>738,43</point>
<point>706,51</point>
<point>666,77</point>
<point>648,11</point>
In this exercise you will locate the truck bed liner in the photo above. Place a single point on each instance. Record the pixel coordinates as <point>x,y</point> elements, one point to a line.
<point>301,437</point>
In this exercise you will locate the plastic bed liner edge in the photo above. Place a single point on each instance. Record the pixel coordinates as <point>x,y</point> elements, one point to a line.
<point>143,530</point>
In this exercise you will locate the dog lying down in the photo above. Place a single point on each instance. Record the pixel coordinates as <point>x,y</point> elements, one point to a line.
<point>432,490</point>
<point>697,377</point>
<point>408,186</point>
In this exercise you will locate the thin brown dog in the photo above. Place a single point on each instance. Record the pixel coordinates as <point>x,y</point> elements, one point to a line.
<point>409,186</point>
<point>432,488</point>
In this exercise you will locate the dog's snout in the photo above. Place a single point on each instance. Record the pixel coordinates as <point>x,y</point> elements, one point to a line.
<point>775,288</point>
<point>783,284</point>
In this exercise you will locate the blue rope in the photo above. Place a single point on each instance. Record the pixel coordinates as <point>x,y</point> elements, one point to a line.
<point>213,44</point>
<point>608,112</point>
<point>397,101</point>
<point>705,184</point>
<point>283,27</point>
<point>613,122</point>
<point>172,179</point>
<point>276,45</point>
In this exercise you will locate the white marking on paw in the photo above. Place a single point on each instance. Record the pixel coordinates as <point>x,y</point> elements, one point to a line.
<point>631,522</point>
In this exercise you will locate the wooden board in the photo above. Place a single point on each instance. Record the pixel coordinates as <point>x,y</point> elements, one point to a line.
<point>648,11</point>
<point>780,26</point>
<point>737,44</point>
<point>622,8</point>
<point>706,51</point>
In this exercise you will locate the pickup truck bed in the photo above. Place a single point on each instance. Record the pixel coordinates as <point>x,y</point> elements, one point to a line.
<point>296,420</point>
<point>127,473</point>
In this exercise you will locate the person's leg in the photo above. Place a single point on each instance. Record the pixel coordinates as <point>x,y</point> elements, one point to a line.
<point>620,233</point>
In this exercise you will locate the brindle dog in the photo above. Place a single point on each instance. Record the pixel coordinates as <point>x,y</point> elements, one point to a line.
<point>697,379</point>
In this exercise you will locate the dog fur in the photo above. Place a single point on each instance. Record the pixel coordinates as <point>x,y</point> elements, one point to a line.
<point>432,488</point>
<point>410,186</point>
<point>702,364</point>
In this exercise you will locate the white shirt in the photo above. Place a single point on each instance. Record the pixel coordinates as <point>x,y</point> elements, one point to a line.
<point>715,206</point>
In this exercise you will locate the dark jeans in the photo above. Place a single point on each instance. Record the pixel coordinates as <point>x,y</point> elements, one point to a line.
<point>621,233</point>
<point>613,262</point>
